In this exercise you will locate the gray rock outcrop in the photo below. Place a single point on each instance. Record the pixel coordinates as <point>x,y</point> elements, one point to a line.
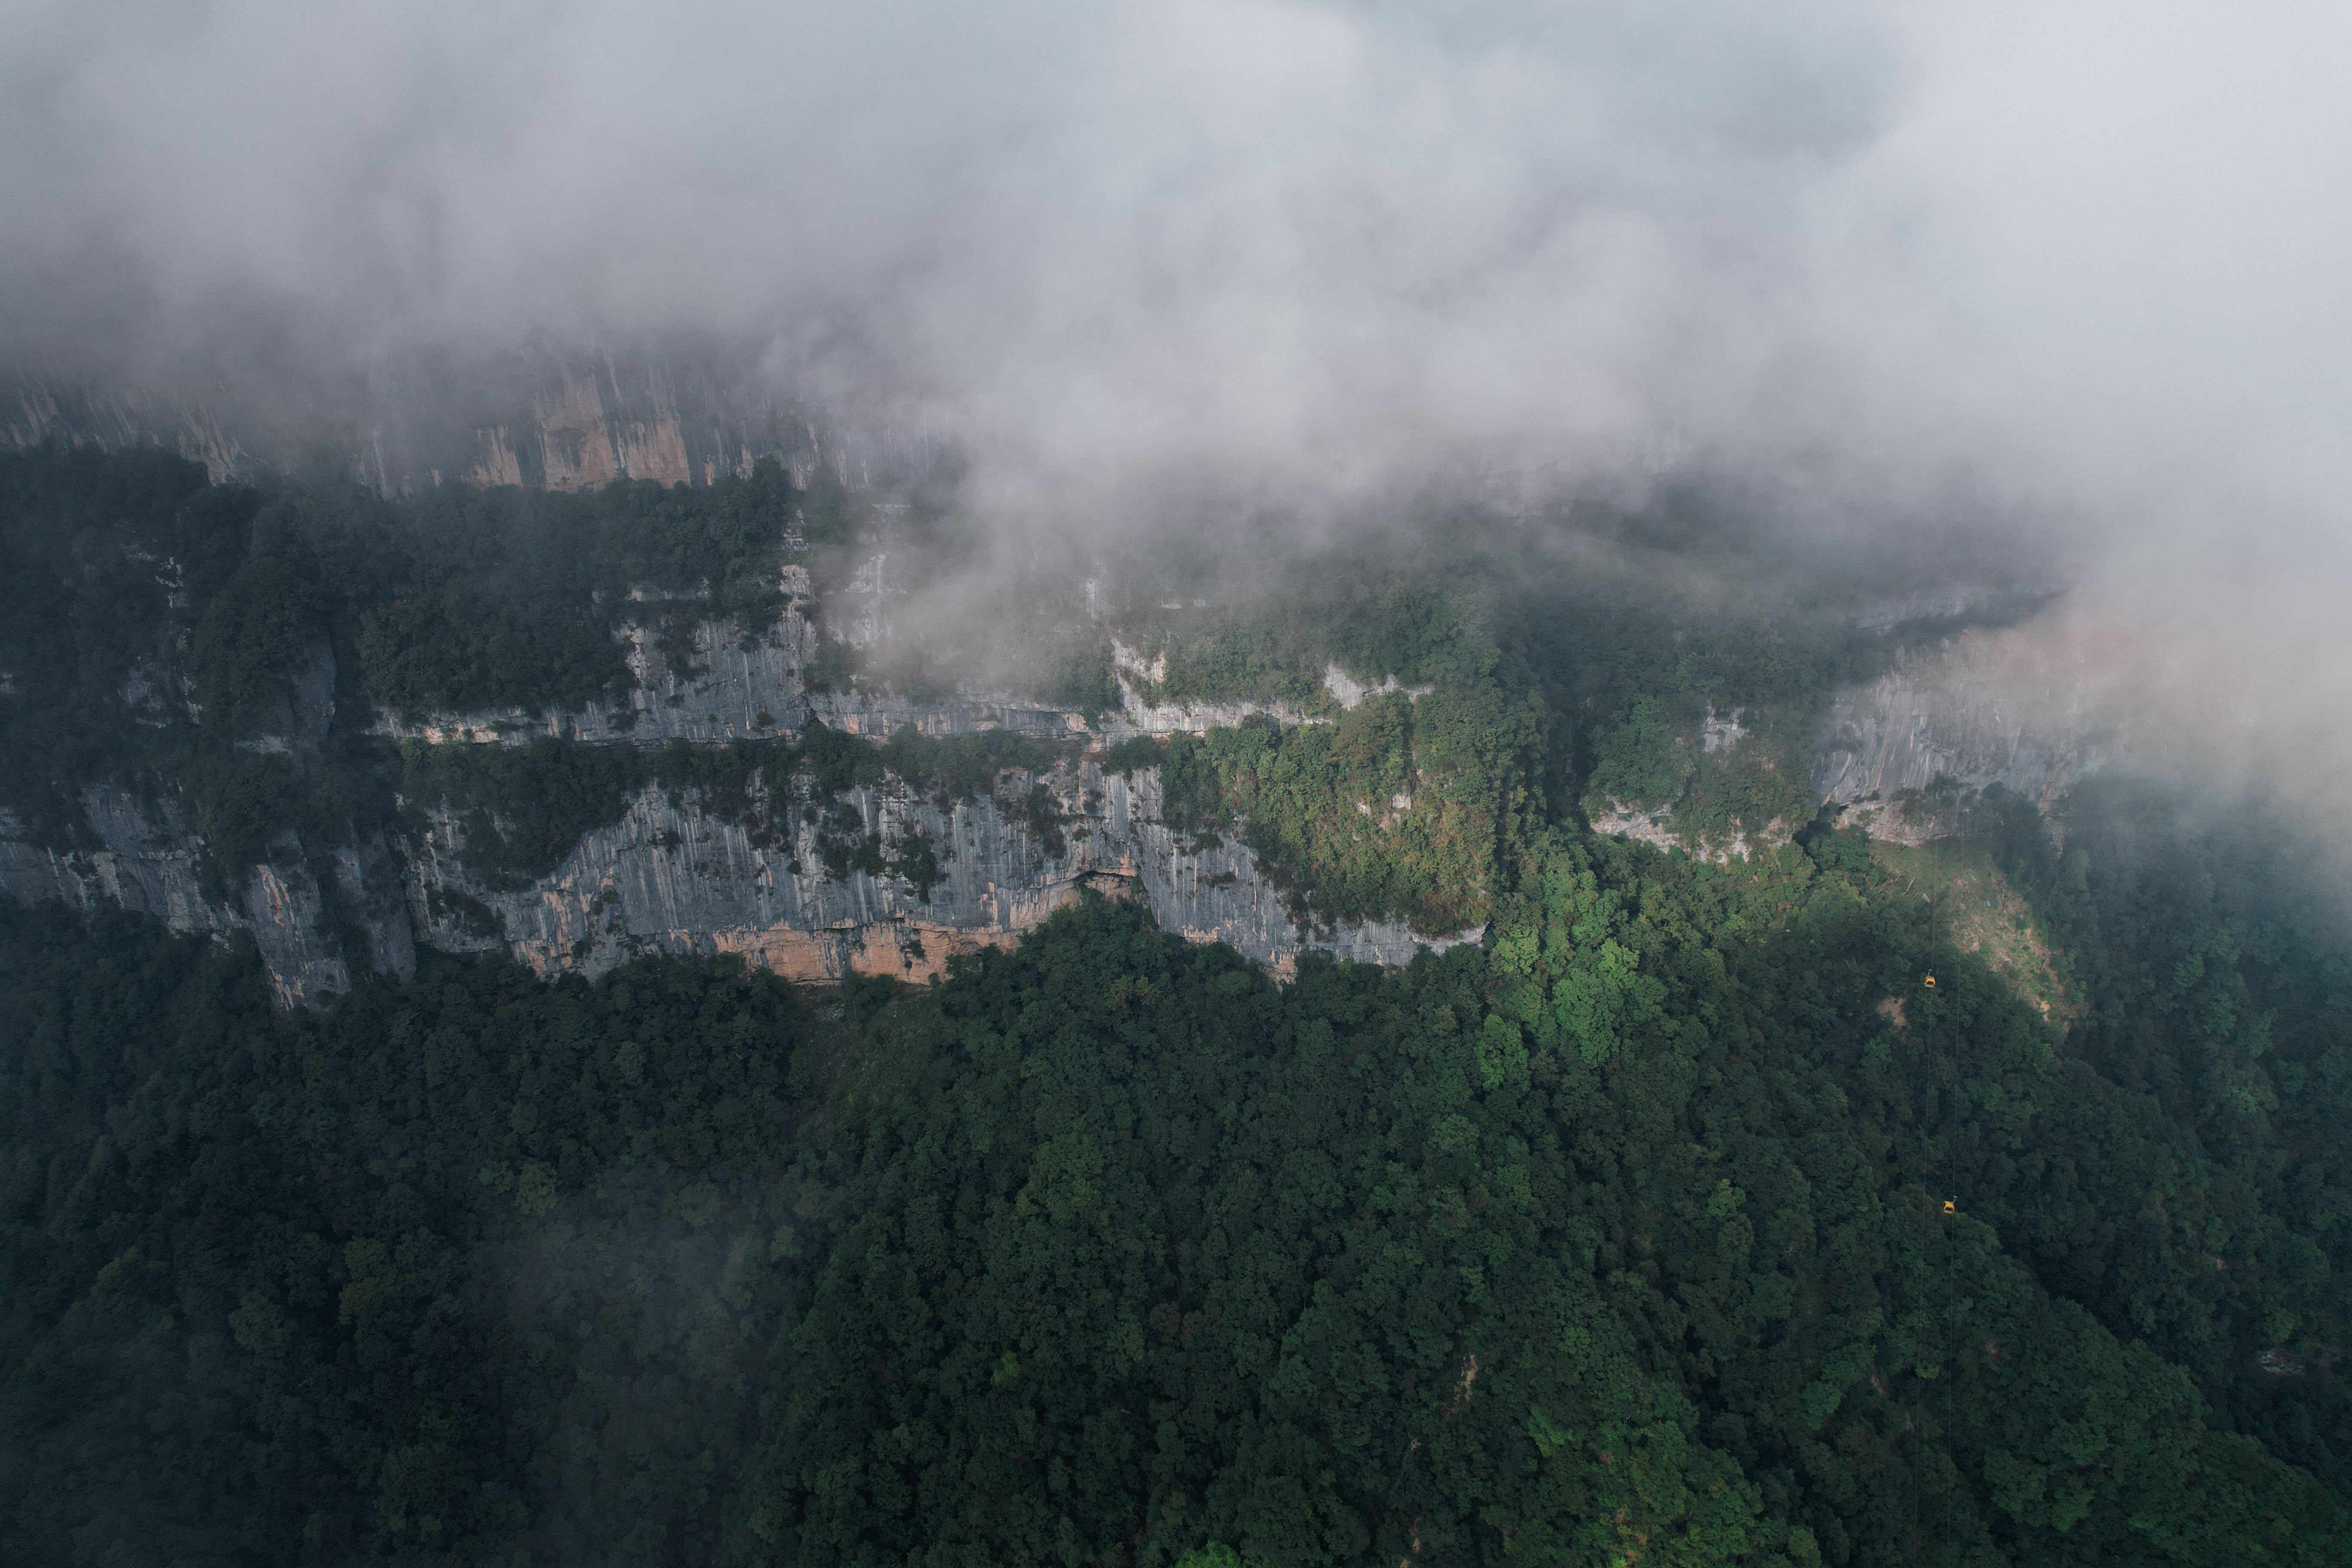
<point>670,877</point>
<point>1914,752</point>
<point>153,864</point>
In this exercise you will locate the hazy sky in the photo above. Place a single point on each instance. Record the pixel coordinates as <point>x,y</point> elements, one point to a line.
<point>2100,248</point>
<point>2090,260</point>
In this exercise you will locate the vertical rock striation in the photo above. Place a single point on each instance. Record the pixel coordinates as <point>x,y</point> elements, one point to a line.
<point>1911,750</point>
<point>1914,750</point>
<point>672,878</point>
<point>156,867</point>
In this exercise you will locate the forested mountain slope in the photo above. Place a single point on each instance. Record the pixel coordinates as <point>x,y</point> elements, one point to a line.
<point>1622,1239</point>
<point>583,727</point>
<point>1772,1195</point>
<point>586,727</point>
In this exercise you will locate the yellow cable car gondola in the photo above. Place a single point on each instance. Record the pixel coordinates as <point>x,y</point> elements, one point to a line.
<point>1952,1205</point>
<point>1931,982</point>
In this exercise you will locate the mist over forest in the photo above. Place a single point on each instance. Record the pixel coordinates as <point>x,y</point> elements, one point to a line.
<point>1244,784</point>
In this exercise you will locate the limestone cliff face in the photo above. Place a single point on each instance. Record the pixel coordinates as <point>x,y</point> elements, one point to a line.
<point>1910,751</point>
<point>591,428</point>
<point>1656,825</point>
<point>1913,750</point>
<point>1913,753</point>
<point>146,866</point>
<point>1136,675</point>
<point>153,867</point>
<point>561,419</point>
<point>35,412</point>
<point>726,681</point>
<point>670,878</point>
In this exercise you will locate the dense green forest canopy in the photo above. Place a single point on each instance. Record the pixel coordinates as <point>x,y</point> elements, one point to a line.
<point>1621,1238</point>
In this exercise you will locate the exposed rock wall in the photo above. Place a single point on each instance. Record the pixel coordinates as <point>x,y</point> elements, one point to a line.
<point>35,412</point>
<point>1914,750</point>
<point>718,679</point>
<point>588,430</point>
<point>1656,825</point>
<point>154,867</point>
<point>1911,750</point>
<point>671,877</point>
<point>287,913</point>
<point>1913,753</point>
<point>567,419</point>
<point>731,682</point>
<point>144,866</point>
<point>1136,675</point>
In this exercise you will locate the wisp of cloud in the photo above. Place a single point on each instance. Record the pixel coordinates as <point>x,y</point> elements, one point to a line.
<point>2084,265</point>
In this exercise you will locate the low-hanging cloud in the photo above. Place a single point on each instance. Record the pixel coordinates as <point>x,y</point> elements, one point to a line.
<point>2074,237</point>
<point>2084,264</point>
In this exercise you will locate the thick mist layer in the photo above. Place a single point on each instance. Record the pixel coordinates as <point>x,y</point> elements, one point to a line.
<point>2079,269</point>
